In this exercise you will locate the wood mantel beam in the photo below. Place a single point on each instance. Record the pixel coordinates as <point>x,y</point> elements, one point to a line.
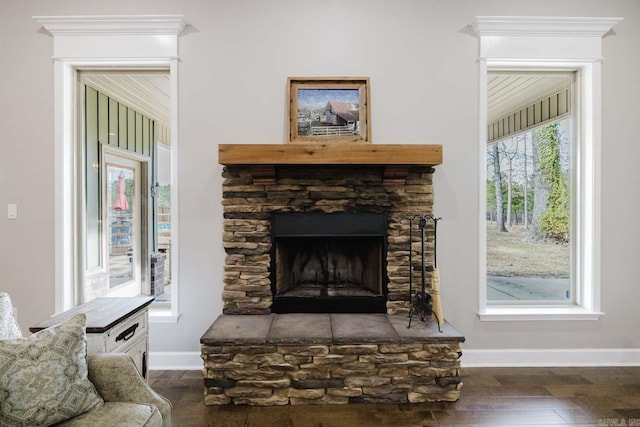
<point>330,154</point>
<point>263,158</point>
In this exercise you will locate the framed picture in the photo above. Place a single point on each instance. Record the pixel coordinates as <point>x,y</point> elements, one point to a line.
<point>329,110</point>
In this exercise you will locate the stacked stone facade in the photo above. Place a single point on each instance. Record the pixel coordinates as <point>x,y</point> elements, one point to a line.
<point>247,222</point>
<point>268,375</point>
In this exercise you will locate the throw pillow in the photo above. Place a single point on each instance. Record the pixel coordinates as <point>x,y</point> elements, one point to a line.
<point>8,326</point>
<point>43,378</point>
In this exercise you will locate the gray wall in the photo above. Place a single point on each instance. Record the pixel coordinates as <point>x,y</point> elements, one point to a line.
<point>232,84</point>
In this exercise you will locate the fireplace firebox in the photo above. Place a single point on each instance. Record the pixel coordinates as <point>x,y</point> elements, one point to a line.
<point>329,262</point>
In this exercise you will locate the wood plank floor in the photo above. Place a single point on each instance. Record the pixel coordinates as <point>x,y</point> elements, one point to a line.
<point>586,396</point>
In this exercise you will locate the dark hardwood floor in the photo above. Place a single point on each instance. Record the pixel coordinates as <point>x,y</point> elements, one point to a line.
<point>586,396</point>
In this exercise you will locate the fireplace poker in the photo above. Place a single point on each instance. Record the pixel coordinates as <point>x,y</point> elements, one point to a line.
<point>410,268</point>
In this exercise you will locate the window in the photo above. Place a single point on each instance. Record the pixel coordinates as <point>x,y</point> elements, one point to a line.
<point>99,42</point>
<point>529,193</point>
<point>512,49</point>
<point>125,150</point>
<point>117,150</point>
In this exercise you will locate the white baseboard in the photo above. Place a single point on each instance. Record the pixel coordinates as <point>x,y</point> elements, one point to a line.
<point>185,360</point>
<point>175,360</point>
<point>551,357</point>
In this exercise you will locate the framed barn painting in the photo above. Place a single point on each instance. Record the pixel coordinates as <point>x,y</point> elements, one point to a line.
<point>329,110</point>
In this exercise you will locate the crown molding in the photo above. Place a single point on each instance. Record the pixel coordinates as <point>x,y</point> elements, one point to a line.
<point>112,25</point>
<point>542,26</point>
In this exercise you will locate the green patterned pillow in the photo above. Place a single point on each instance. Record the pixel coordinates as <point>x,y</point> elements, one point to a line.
<point>43,378</point>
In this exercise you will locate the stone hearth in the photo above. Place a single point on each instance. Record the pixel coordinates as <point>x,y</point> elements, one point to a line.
<point>300,359</point>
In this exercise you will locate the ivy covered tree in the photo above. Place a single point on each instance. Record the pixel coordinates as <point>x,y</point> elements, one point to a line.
<point>551,190</point>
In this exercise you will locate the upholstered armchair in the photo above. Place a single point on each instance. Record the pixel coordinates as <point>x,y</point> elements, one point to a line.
<point>128,400</point>
<point>48,379</point>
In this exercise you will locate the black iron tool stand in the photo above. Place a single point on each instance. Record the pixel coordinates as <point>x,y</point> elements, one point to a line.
<point>420,302</point>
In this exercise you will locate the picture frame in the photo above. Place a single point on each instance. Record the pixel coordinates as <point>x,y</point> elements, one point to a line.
<point>329,110</point>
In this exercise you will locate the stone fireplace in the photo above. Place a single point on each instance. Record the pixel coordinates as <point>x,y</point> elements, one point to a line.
<point>253,212</point>
<point>316,279</point>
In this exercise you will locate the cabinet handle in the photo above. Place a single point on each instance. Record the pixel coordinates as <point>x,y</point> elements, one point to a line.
<point>128,333</point>
<point>144,365</point>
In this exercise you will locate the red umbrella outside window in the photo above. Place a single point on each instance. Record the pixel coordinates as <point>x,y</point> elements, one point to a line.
<point>121,203</point>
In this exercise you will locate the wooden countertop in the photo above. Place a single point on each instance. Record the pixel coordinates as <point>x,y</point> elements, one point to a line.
<point>102,313</point>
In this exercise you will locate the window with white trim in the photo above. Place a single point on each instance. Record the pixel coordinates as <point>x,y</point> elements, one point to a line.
<point>148,42</point>
<point>568,125</point>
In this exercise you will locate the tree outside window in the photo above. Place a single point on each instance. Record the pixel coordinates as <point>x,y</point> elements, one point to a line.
<point>528,216</point>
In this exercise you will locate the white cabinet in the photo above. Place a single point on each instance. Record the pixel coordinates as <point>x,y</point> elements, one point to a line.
<point>127,336</point>
<point>114,325</point>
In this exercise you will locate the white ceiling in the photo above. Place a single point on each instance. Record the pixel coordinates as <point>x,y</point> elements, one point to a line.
<point>510,92</point>
<point>146,92</point>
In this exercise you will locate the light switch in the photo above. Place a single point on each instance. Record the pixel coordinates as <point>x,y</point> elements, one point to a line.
<point>12,211</point>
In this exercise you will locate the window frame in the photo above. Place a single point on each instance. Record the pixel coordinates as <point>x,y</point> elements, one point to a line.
<point>553,44</point>
<point>103,42</point>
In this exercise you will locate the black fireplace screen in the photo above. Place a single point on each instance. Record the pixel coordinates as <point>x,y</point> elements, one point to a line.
<point>329,262</point>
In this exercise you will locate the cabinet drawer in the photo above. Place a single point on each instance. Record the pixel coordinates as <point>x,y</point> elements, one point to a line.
<point>127,332</point>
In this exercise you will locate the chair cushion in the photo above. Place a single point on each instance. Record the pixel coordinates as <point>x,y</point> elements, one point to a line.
<point>43,378</point>
<point>8,326</point>
<point>117,414</point>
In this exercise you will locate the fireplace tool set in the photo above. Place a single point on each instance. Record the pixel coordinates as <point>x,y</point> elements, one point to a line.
<point>423,304</point>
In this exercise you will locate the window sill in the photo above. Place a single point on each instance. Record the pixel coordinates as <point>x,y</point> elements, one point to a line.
<point>502,313</point>
<point>161,313</point>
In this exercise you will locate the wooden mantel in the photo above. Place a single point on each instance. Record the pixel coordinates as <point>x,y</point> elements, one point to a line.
<point>396,158</point>
<point>329,154</point>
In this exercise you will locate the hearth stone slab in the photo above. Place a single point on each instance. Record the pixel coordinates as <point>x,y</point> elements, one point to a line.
<point>300,328</point>
<point>240,329</point>
<point>303,328</point>
<point>423,331</point>
<point>362,328</point>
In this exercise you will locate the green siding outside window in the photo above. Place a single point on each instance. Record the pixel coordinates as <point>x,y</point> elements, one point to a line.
<point>107,122</point>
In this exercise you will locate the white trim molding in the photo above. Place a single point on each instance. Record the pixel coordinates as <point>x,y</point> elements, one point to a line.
<point>112,24</point>
<point>534,37</point>
<point>543,26</point>
<point>175,360</point>
<point>471,358</point>
<point>519,43</point>
<point>114,38</point>
<point>485,358</point>
<point>527,313</point>
<point>96,42</point>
